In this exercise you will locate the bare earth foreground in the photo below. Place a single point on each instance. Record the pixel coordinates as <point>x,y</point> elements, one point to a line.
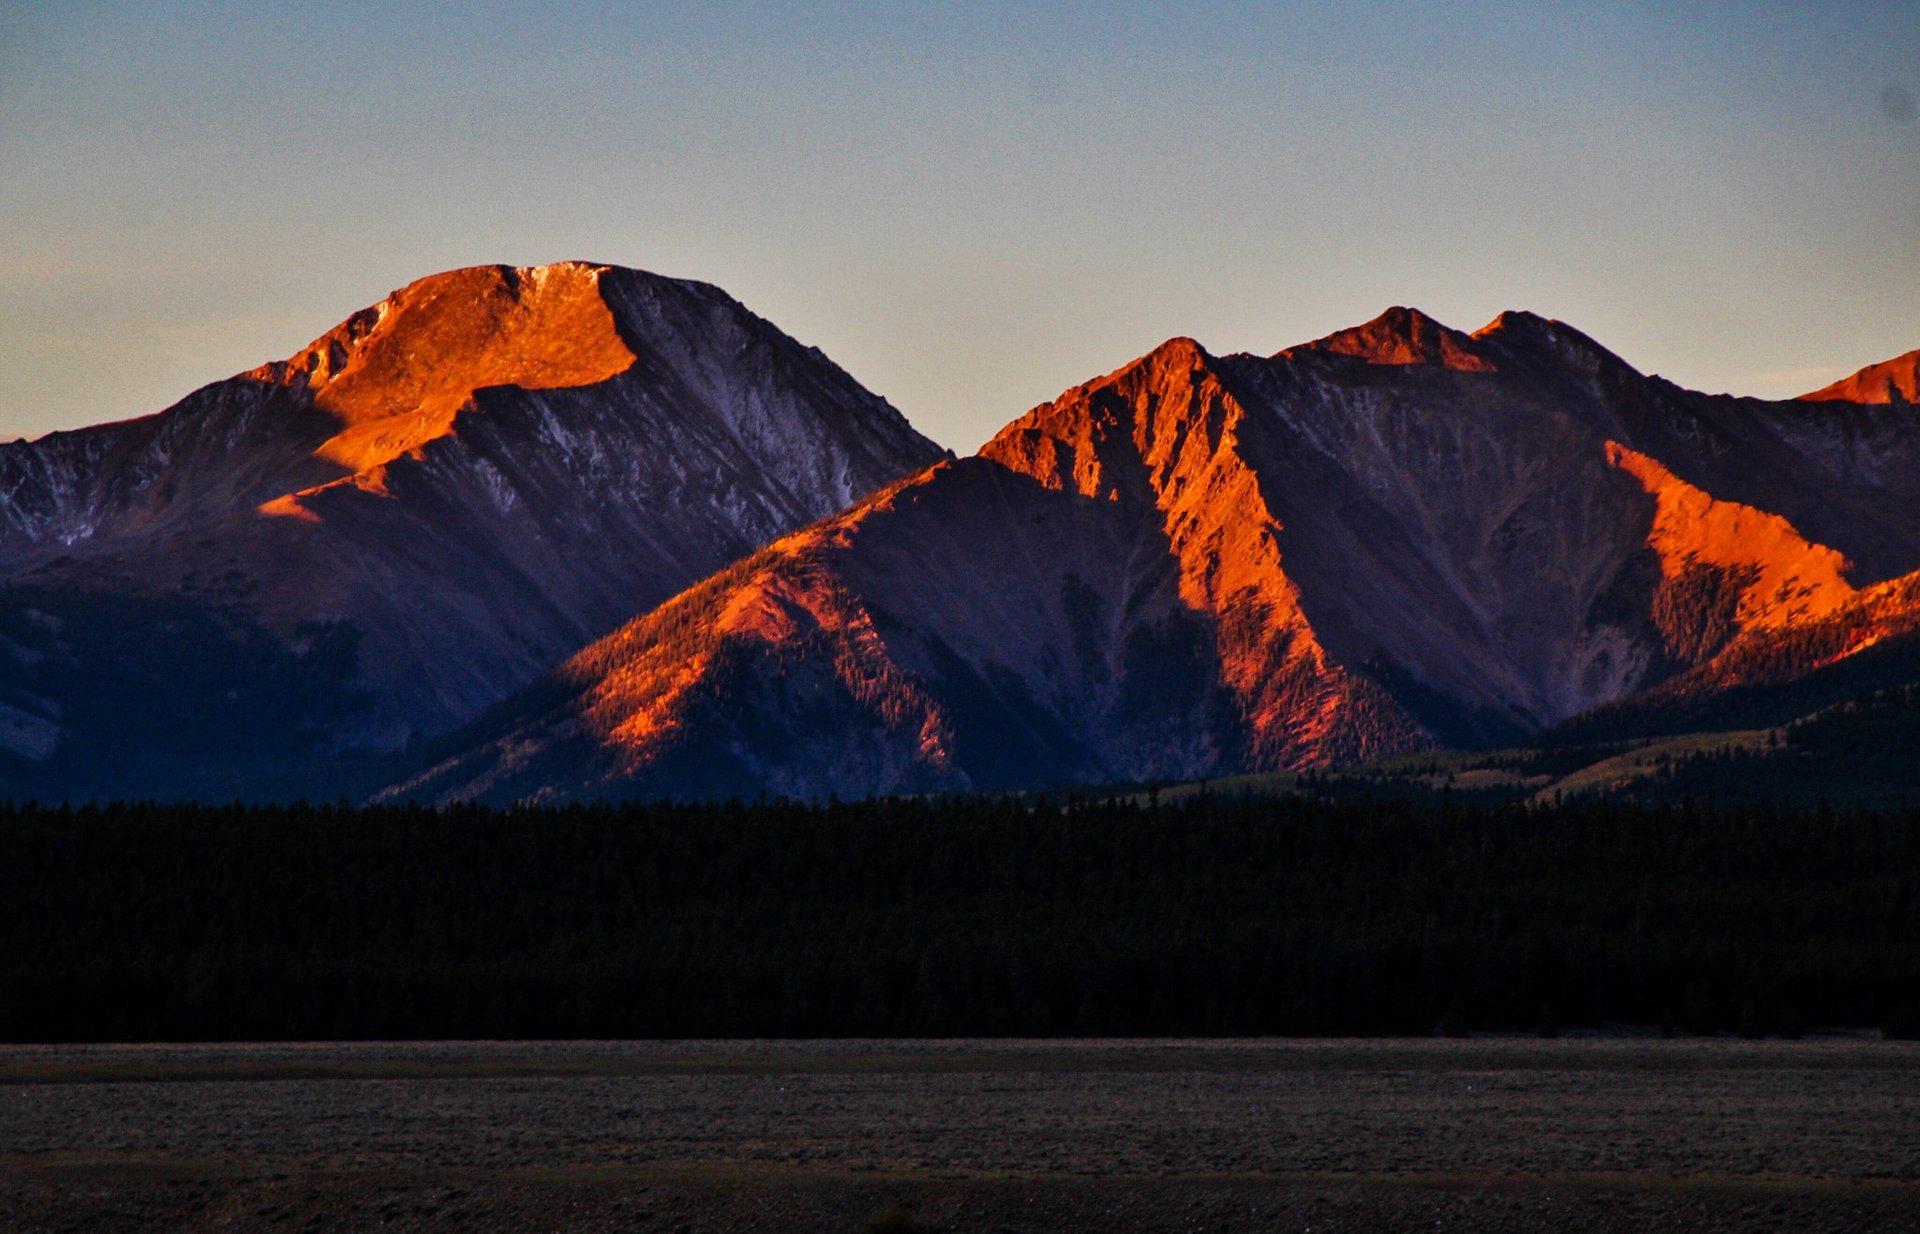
<point>1569,1135</point>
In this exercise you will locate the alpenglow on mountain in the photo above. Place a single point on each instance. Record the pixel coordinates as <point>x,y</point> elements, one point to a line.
<point>424,510</point>
<point>1395,538</point>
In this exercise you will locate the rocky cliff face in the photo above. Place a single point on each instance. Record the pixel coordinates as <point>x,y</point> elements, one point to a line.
<point>447,494</point>
<point>1398,536</point>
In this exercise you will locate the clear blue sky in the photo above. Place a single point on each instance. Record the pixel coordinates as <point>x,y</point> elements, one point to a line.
<point>970,206</point>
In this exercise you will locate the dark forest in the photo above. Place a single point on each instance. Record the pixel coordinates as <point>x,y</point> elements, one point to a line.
<point>1216,914</point>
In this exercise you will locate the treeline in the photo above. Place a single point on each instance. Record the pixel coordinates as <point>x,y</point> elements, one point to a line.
<point>1793,673</point>
<point>1210,915</point>
<point>1860,752</point>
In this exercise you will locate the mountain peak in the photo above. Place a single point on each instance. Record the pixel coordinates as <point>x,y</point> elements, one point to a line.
<point>1522,331</point>
<point>1404,336</point>
<point>1895,381</point>
<point>1177,350</point>
<point>395,374</point>
<point>464,482</point>
<point>1517,321</point>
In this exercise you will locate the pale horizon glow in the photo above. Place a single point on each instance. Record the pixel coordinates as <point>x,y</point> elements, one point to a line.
<point>970,209</point>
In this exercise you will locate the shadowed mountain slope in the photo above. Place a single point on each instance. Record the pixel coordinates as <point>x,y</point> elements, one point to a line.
<point>1399,536</point>
<point>447,493</point>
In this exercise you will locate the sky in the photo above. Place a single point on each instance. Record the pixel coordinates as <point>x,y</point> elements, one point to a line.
<point>970,207</point>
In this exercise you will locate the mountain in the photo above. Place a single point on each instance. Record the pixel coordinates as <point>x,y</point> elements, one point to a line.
<point>417,514</point>
<point>1398,537</point>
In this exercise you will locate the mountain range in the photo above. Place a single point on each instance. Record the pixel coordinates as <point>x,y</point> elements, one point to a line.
<point>581,531</point>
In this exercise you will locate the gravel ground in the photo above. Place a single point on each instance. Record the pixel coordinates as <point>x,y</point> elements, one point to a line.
<point>1589,1134</point>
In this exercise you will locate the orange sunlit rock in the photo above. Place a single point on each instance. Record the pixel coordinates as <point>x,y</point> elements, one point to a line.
<point>289,506</point>
<point>1406,336</point>
<point>1792,580</point>
<point>395,375</point>
<point>1164,430</point>
<point>1894,381</point>
<point>642,680</point>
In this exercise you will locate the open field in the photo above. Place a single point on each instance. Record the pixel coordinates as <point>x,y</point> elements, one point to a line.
<point>1580,1134</point>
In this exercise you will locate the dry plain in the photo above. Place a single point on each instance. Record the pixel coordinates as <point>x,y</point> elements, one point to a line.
<point>1483,1134</point>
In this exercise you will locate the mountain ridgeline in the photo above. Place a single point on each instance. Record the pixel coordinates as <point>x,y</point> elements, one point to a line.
<point>421,512</point>
<point>1396,538</point>
<point>577,531</point>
